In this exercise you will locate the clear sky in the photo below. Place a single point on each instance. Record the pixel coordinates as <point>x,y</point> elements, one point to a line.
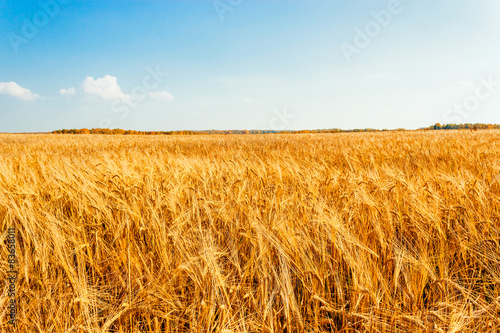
<point>247,64</point>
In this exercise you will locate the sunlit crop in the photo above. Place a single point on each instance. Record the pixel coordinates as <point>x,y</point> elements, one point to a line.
<point>367,232</point>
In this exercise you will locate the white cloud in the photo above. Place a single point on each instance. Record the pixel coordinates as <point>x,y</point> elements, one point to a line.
<point>161,95</point>
<point>68,92</point>
<point>248,100</point>
<point>15,90</point>
<point>105,87</point>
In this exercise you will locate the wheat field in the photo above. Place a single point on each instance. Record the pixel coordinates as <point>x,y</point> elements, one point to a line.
<point>351,232</point>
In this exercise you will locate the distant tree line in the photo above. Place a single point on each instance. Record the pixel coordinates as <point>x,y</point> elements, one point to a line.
<point>438,126</point>
<point>132,132</point>
<point>118,131</point>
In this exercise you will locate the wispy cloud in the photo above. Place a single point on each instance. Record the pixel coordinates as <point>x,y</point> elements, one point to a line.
<point>161,95</point>
<point>382,77</point>
<point>249,100</point>
<point>15,90</point>
<point>68,92</point>
<point>241,80</point>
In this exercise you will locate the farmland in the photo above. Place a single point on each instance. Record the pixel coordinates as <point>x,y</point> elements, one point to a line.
<point>367,232</point>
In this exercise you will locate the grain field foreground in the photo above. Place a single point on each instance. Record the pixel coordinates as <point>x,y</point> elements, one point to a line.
<point>359,232</point>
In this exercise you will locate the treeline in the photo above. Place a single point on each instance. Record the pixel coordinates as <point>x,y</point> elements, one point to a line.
<point>132,132</point>
<point>118,131</point>
<point>438,126</point>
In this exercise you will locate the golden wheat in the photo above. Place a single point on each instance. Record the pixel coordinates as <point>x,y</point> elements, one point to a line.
<point>376,232</point>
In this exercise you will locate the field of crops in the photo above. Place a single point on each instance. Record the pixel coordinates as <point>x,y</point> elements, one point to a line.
<point>351,232</point>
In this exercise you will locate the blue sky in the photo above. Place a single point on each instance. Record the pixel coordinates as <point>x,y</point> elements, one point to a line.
<point>247,64</point>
